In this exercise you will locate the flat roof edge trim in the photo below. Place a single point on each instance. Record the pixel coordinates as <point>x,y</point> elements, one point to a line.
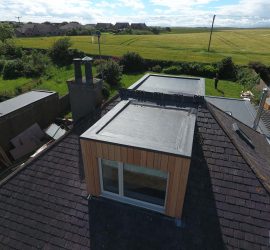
<point>176,154</point>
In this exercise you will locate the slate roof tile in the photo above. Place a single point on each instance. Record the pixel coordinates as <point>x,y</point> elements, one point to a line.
<point>45,204</point>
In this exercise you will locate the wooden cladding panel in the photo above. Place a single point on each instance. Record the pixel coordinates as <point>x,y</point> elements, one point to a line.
<point>88,170</point>
<point>177,168</point>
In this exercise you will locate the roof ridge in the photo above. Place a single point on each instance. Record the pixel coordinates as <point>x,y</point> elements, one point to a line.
<point>259,173</point>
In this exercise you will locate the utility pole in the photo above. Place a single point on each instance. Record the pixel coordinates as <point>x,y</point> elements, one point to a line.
<point>19,20</point>
<point>18,17</point>
<point>210,39</point>
<point>99,35</point>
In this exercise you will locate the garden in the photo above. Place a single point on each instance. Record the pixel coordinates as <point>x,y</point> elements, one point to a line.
<point>24,69</point>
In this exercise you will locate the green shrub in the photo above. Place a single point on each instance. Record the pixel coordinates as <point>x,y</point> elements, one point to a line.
<point>247,78</point>
<point>35,64</point>
<point>132,62</point>
<point>13,69</point>
<point>98,62</point>
<point>174,70</point>
<point>227,69</point>
<point>2,65</point>
<point>209,71</point>
<point>111,72</point>
<point>106,91</point>
<point>262,70</point>
<point>59,52</point>
<point>10,51</point>
<point>157,69</point>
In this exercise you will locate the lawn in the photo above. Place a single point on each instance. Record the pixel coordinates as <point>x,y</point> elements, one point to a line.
<point>243,45</point>
<point>225,88</point>
<point>58,76</point>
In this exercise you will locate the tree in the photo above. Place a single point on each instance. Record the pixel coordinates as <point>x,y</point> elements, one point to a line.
<point>6,32</point>
<point>111,72</point>
<point>60,53</point>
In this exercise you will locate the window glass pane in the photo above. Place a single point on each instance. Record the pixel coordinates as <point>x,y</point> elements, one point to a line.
<point>145,184</point>
<point>110,176</point>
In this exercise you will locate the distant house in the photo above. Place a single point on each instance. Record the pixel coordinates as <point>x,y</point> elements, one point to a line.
<point>104,26</point>
<point>71,26</point>
<point>120,26</point>
<point>46,29</point>
<point>37,29</point>
<point>26,29</point>
<point>139,26</point>
<point>89,26</point>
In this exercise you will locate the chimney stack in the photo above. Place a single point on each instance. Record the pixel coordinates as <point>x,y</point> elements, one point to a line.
<point>88,70</point>
<point>85,94</point>
<point>260,109</point>
<point>77,70</point>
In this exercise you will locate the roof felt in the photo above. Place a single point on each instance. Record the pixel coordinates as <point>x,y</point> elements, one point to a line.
<point>23,100</point>
<point>226,205</point>
<point>146,126</point>
<point>170,84</point>
<point>240,109</point>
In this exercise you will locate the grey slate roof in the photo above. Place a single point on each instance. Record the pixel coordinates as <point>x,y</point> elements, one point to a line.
<point>226,204</point>
<point>44,205</point>
<point>240,109</point>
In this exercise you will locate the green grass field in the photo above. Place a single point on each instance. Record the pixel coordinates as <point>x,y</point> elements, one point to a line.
<point>57,82</point>
<point>243,45</point>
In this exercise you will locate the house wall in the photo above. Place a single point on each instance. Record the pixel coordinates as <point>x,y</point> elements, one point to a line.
<point>177,167</point>
<point>43,112</point>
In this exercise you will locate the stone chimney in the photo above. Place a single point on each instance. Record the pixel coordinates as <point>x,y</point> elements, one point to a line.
<point>85,93</point>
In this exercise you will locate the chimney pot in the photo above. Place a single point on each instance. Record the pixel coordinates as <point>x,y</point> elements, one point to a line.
<point>88,70</point>
<point>77,70</point>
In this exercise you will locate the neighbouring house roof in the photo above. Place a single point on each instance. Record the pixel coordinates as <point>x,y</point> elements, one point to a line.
<point>23,100</point>
<point>70,26</point>
<point>240,109</point>
<point>227,204</point>
<point>266,118</point>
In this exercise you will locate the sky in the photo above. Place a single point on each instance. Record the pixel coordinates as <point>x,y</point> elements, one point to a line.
<point>186,13</point>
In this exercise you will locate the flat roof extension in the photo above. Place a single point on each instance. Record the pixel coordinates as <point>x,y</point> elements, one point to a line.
<point>164,129</point>
<point>170,84</point>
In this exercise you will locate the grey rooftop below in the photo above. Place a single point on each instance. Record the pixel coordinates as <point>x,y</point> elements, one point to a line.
<point>170,84</point>
<point>23,100</point>
<point>241,110</point>
<point>163,129</point>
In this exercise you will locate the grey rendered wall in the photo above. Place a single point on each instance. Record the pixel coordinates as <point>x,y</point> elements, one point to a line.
<point>42,112</point>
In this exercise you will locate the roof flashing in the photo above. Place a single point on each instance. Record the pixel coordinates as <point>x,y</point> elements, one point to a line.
<point>242,135</point>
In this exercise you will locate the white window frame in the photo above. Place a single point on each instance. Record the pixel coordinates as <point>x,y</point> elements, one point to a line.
<point>120,196</point>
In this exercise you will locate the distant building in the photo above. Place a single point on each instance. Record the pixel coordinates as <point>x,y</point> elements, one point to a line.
<point>25,29</point>
<point>120,26</point>
<point>104,26</point>
<point>139,26</point>
<point>90,26</point>
<point>71,26</point>
<point>37,29</point>
<point>46,29</point>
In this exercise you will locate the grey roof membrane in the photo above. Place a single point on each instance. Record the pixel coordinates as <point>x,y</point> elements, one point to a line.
<point>23,100</point>
<point>170,84</point>
<point>241,110</point>
<point>163,129</point>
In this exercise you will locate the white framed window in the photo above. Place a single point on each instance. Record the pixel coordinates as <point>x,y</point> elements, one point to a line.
<point>136,185</point>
